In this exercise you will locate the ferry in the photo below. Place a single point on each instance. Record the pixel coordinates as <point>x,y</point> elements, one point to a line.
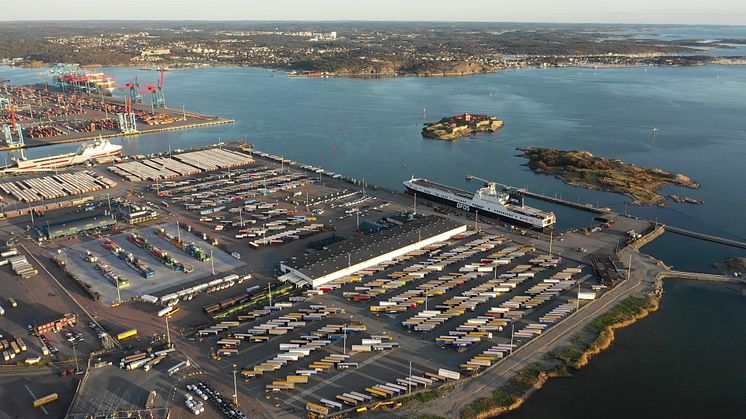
<point>488,200</point>
<point>87,151</point>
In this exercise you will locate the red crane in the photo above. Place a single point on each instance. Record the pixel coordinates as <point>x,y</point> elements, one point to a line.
<point>133,90</point>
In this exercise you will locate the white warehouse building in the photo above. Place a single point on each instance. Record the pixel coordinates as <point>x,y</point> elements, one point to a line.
<point>355,254</point>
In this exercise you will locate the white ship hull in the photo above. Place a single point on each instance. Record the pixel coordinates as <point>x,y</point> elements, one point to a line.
<point>471,202</point>
<point>99,149</point>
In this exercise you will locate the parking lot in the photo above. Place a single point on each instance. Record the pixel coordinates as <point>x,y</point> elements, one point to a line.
<point>19,389</point>
<point>164,276</point>
<point>461,305</point>
<point>420,348</point>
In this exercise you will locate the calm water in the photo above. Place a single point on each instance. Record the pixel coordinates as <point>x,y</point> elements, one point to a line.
<point>371,129</point>
<point>684,361</point>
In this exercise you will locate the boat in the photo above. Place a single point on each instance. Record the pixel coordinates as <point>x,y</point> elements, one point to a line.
<point>87,151</point>
<point>506,205</point>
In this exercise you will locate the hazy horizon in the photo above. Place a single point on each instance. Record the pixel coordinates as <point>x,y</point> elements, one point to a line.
<point>630,12</point>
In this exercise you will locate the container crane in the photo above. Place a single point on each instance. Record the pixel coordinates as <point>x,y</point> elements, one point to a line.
<point>156,91</point>
<point>134,90</point>
<point>127,122</point>
<point>11,140</point>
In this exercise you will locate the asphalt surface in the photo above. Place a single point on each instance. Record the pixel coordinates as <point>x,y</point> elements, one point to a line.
<point>420,349</point>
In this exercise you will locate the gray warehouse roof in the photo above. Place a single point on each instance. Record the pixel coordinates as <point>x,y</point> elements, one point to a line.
<point>362,248</point>
<point>79,224</point>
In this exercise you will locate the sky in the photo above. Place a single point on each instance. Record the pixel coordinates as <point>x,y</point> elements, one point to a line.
<point>718,12</point>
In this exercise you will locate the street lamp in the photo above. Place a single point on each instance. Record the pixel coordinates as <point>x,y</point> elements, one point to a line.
<point>235,387</point>
<point>344,339</point>
<point>168,332</point>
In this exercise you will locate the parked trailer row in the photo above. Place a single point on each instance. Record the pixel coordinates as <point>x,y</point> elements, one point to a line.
<point>488,357</point>
<point>307,344</point>
<point>469,299</point>
<point>174,297</point>
<point>434,263</point>
<point>386,390</point>
<point>56,186</point>
<point>183,164</point>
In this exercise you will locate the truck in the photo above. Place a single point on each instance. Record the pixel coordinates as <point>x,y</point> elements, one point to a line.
<point>173,370</point>
<point>126,334</point>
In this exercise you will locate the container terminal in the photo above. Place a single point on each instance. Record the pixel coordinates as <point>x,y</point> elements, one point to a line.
<point>78,106</point>
<point>233,282</point>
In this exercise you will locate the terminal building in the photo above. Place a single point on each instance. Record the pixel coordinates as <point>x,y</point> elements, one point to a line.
<point>352,255</point>
<point>71,227</point>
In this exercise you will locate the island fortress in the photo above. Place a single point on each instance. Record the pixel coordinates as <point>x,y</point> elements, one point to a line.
<point>454,127</point>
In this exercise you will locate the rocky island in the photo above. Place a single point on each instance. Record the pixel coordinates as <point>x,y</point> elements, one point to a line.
<point>454,127</point>
<point>581,168</point>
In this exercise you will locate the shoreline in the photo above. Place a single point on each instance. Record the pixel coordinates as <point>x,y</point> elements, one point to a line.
<point>718,61</point>
<point>602,340</point>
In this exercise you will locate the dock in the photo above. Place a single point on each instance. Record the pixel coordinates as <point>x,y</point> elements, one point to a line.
<point>707,237</point>
<point>668,228</point>
<point>701,276</point>
<point>49,116</point>
<point>576,205</point>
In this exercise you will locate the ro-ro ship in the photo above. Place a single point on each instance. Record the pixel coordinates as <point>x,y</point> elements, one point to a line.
<point>87,151</point>
<point>490,201</point>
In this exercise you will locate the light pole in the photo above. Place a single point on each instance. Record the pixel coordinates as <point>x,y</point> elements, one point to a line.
<point>409,379</point>
<point>512,330</point>
<point>212,263</point>
<point>344,339</point>
<point>235,387</point>
<point>75,354</point>
<point>629,266</point>
<point>168,332</point>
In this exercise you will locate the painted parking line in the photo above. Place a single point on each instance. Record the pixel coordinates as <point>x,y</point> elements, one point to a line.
<point>35,398</point>
<point>328,381</point>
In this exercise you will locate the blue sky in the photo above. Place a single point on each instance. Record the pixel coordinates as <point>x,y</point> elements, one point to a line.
<point>728,12</point>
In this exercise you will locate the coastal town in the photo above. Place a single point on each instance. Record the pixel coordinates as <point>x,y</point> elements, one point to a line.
<point>344,49</point>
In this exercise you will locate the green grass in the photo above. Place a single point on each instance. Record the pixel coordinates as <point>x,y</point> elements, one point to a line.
<point>626,310</point>
<point>507,394</point>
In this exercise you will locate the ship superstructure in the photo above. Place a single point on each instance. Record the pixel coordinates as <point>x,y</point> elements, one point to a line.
<point>489,200</point>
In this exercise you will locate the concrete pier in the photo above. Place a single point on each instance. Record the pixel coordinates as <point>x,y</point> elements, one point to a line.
<point>708,237</point>
<point>700,276</point>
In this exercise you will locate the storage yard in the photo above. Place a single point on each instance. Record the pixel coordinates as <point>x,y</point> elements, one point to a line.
<point>49,114</point>
<point>144,271</point>
<point>55,186</point>
<point>323,295</point>
<point>183,164</point>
